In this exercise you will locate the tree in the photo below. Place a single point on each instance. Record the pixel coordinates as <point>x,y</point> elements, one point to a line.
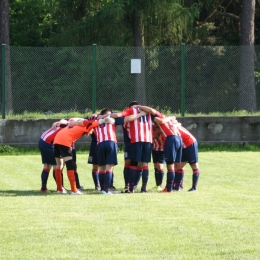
<point>247,94</point>
<point>4,39</point>
<point>146,22</point>
<point>223,13</point>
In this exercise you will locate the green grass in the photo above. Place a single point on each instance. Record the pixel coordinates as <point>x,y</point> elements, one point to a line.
<point>220,221</point>
<point>18,150</point>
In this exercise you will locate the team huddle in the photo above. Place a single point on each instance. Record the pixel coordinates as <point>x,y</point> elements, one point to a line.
<point>147,133</point>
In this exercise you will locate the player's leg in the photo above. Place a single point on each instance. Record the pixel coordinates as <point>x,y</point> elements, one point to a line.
<point>71,168</point>
<point>74,157</point>
<point>126,166</point>
<point>111,160</point>
<point>59,167</point>
<point>48,159</point>
<point>195,176</point>
<point>92,159</point>
<point>135,170</point>
<point>173,152</point>
<point>159,158</point>
<point>146,158</point>
<point>192,159</point>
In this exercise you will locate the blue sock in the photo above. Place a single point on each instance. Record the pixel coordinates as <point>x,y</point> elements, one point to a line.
<point>170,180</point>
<point>101,180</point>
<point>133,176</point>
<point>160,177</point>
<point>95,177</point>
<point>126,176</point>
<point>107,180</point>
<point>195,178</point>
<point>145,176</point>
<point>44,177</point>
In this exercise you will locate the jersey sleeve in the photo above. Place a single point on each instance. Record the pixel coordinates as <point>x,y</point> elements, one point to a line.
<point>127,112</point>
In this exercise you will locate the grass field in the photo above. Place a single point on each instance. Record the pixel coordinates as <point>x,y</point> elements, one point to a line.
<point>220,221</point>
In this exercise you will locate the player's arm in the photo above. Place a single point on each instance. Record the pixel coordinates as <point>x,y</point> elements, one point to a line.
<point>116,115</point>
<point>78,121</point>
<point>163,120</point>
<point>147,109</point>
<point>134,117</point>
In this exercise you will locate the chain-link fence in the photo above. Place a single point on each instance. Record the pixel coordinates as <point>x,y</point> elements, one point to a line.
<point>178,79</point>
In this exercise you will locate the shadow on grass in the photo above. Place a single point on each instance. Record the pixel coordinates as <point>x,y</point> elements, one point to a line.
<point>16,193</point>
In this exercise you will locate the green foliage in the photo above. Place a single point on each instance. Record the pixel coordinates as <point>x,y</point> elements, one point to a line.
<point>17,150</point>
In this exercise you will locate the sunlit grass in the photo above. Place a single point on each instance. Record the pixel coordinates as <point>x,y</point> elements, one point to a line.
<point>219,221</point>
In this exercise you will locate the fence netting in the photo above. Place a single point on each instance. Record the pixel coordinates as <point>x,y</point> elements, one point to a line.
<point>66,79</point>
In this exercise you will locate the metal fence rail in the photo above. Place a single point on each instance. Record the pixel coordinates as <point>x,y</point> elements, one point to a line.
<point>177,79</point>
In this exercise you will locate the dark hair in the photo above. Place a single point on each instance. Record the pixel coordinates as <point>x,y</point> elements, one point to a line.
<point>63,125</point>
<point>134,103</point>
<point>104,111</point>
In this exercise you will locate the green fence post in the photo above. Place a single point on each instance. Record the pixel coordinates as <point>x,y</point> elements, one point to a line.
<point>3,80</point>
<point>94,78</point>
<point>182,79</point>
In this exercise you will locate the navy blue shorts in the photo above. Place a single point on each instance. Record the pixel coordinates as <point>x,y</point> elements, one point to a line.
<point>92,158</point>
<point>190,153</point>
<point>173,149</point>
<point>141,152</point>
<point>158,156</point>
<point>47,152</point>
<point>107,153</point>
<point>127,149</point>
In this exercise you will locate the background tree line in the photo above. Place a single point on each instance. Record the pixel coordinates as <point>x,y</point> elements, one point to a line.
<point>138,23</point>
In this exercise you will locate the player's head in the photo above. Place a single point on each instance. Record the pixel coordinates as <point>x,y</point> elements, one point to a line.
<point>63,123</point>
<point>134,103</point>
<point>105,111</point>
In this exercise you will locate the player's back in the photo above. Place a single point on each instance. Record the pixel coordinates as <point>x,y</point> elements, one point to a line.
<point>105,132</point>
<point>140,130</point>
<point>69,135</point>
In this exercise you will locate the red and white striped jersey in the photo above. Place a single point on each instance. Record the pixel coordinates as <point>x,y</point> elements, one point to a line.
<point>158,143</point>
<point>169,129</point>
<point>48,135</point>
<point>127,128</point>
<point>187,138</point>
<point>105,132</point>
<point>140,129</point>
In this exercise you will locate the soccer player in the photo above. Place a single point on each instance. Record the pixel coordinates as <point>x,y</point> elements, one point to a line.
<point>63,153</point>
<point>141,145</point>
<point>107,147</point>
<point>173,144</point>
<point>190,155</point>
<point>109,134</point>
<point>47,151</point>
<point>158,156</point>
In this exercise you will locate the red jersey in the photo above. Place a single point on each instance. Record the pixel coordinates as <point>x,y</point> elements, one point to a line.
<point>169,129</point>
<point>49,135</point>
<point>67,136</point>
<point>140,130</point>
<point>105,132</point>
<point>158,143</point>
<point>187,138</point>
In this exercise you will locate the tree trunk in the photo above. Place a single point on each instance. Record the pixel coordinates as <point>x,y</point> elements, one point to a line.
<point>139,53</point>
<point>4,39</point>
<point>247,94</point>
